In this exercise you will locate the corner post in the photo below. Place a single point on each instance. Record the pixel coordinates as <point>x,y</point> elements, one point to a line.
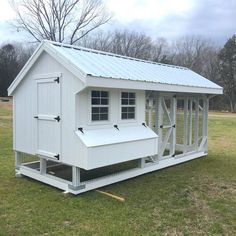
<point>43,166</point>
<point>75,176</point>
<point>18,159</point>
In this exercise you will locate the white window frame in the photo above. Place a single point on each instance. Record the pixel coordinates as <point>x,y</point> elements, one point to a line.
<point>98,122</point>
<point>135,107</point>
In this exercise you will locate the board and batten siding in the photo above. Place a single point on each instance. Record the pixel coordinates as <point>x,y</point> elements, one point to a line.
<point>25,125</point>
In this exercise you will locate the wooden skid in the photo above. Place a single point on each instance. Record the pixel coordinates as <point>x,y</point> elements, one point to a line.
<point>106,180</point>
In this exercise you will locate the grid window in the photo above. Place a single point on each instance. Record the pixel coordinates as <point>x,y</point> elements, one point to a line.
<point>127,105</point>
<point>99,105</point>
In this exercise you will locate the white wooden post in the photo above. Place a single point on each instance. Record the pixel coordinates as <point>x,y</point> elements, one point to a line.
<point>141,162</point>
<point>150,107</point>
<point>159,122</point>
<point>43,166</point>
<point>18,159</point>
<point>173,107</point>
<point>185,124</point>
<point>205,123</point>
<point>75,176</point>
<point>196,124</point>
<point>190,121</point>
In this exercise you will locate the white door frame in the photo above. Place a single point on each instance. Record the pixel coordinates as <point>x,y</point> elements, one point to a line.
<point>48,78</point>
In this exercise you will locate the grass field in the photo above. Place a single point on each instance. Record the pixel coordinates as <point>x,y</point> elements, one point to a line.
<point>195,198</point>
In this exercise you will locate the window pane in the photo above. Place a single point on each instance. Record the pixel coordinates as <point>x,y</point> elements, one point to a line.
<point>131,95</point>
<point>131,101</point>
<point>103,116</point>
<point>104,94</point>
<point>95,101</point>
<point>124,116</point>
<point>95,109</point>
<point>124,95</point>
<point>104,101</point>
<point>130,115</point>
<point>96,93</point>
<point>103,109</point>
<point>131,109</point>
<point>124,101</point>
<point>95,117</point>
<point>124,109</point>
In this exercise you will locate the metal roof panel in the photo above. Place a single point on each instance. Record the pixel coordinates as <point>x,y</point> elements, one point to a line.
<point>101,64</point>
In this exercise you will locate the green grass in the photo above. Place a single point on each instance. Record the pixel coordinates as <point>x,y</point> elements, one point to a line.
<point>195,198</point>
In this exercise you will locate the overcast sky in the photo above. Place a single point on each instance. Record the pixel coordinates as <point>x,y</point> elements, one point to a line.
<point>214,19</point>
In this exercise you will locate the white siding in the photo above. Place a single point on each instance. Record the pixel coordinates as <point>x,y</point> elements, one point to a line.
<point>25,109</point>
<point>75,111</point>
<point>83,114</point>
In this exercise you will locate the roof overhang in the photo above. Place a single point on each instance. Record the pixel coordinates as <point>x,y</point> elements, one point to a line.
<point>44,46</point>
<point>92,81</point>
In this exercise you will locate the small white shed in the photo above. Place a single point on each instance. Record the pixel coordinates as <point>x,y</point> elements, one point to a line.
<point>82,111</point>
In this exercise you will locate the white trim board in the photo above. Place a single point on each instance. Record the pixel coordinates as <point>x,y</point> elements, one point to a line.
<point>92,81</point>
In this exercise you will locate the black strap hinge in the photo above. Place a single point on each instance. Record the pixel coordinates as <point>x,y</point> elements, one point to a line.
<point>36,117</point>
<point>144,125</point>
<point>57,118</point>
<point>81,130</point>
<point>57,80</point>
<point>57,156</point>
<point>116,127</point>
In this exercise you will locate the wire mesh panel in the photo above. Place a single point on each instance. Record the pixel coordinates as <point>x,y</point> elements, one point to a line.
<point>179,122</point>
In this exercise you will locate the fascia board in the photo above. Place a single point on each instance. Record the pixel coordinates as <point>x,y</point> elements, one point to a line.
<point>92,81</point>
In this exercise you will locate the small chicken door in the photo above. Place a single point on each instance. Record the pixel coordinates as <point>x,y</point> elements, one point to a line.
<point>48,117</point>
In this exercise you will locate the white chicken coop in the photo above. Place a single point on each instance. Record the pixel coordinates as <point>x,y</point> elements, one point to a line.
<point>87,118</point>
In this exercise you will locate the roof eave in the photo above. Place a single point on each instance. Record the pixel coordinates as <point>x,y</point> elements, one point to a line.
<point>92,81</point>
<point>45,46</point>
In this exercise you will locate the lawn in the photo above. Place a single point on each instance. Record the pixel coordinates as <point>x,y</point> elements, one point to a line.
<point>195,198</point>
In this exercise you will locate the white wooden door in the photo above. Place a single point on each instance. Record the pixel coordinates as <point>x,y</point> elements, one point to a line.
<point>48,117</point>
<point>166,126</point>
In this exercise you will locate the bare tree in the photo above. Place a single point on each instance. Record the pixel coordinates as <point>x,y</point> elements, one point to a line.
<point>161,51</point>
<point>190,51</point>
<point>100,41</point>
<point>59,20</point>
<point>132,44</point>
<point>125,42</point>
